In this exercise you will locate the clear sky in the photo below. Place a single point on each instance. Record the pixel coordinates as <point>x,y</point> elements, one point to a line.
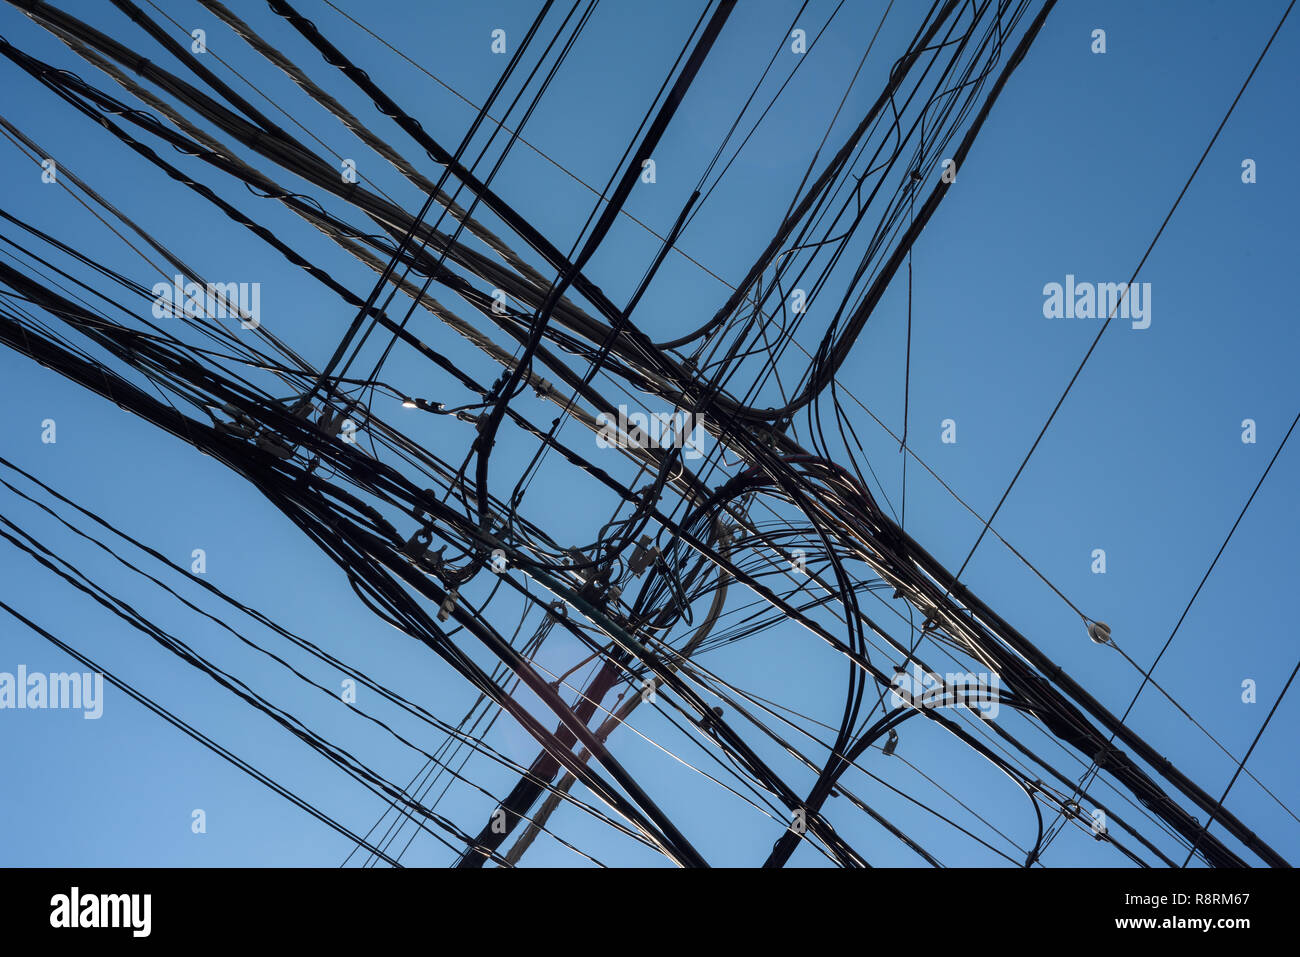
<point>1072,174</point>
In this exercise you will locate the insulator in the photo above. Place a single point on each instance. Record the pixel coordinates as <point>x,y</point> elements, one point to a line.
<point>448,605</point>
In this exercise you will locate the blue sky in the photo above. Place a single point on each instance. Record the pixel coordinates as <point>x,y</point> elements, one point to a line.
<point>1072,174</point>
